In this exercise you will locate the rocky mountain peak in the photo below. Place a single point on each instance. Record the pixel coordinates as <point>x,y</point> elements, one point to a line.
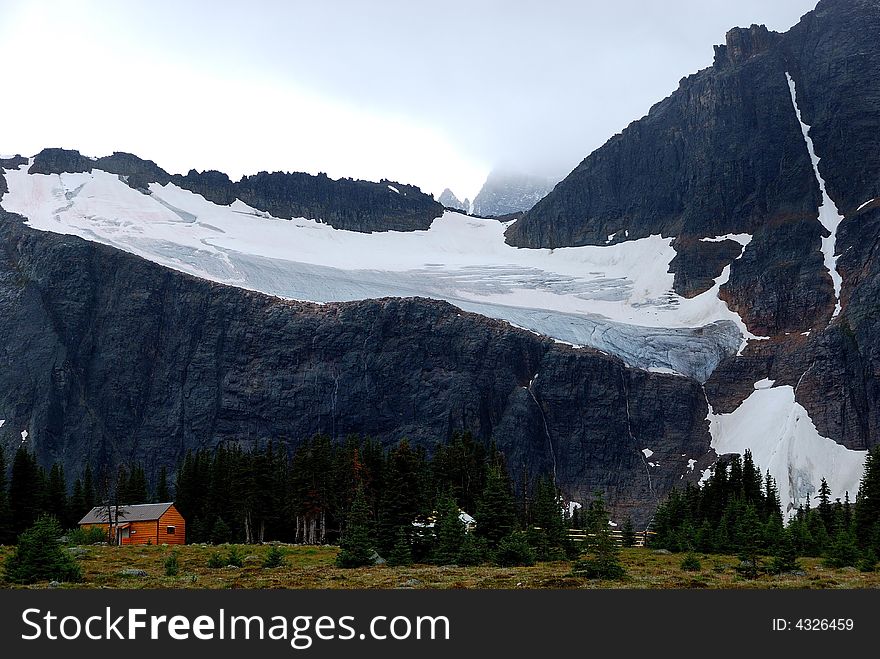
<point>743,43</point>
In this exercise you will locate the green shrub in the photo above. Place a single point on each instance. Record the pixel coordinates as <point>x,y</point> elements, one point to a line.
<point>513,550</point>
<point>90,536</point>
<point>39,555</point>
<point>275,557</point>
<point>215,561</point>
<point>401,552</point>
<point>172,567</point>
<point>234,557</point>
<point>690,563</point>
<point>868,561</point>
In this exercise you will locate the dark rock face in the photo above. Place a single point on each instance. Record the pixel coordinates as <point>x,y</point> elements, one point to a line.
<point>724,154</point>
<point>108,357</point>
<point>344,203</point>
<point>698,263</point>
<point>56,161</point>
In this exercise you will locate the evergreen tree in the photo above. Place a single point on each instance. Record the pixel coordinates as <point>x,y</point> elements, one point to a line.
<point>844,550</point>
<point>826,513</point>
<point>866,516</point>
<point>356,547</point>
<point>163,495</point>
<point>548,535</point>
<point>39,555</point>
<point>449,530</point>
<point>748,537</point>
<point>496,508</point>
<point>513,550</point>
<point>628,534</point>
<point>7,536</point>
<point>603,554</point>
<point>26,490</point>
<point>77,503</point>
<point>473,550</point>
<point>56,495</point>
<point>785,557</point>
<point>402,496</point>
<point>401,553</point>
<point>135,488</point>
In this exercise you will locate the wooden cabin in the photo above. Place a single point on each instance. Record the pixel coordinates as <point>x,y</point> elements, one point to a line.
<point>149,523</point>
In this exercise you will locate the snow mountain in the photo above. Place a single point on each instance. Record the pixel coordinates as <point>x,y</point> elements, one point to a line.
<point>701,284</point>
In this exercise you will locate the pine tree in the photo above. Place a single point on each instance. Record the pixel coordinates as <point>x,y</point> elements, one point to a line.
<point>844,550</point>
<point>548,535</point>
<point>866,516</point>
<point>77,503</point>
<point>603,561</point>
<point>135,488</point>
<point>785,558</point>
<point>163,495</point>
<point>748,539</point>
<point>26,490</point>
<point>449,530</point>
<point>356,547</point>
<point>628,534</point>
<point>401,553</point>
<point>39,555</point>
<point>473,550</point>
<point>496,508</point>
<point>7,536</point>
<point>56,495</point>
<point>826,513</point>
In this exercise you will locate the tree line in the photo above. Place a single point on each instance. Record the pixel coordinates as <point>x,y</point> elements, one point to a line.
<point>27,491</point>
<point>737,511</point>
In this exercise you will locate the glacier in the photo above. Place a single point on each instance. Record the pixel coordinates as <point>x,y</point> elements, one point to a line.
<point>616,298</point>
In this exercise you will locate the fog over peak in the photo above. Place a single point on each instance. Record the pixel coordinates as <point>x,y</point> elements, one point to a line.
<point>436,93</point>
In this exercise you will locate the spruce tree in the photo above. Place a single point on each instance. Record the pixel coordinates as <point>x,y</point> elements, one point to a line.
<point>7,537</point>
<point>603,554</point>
<point>496,508</point>
<point>401,553</point>
<point>628,534</point>
<point>356,546</point>
<point>748,539</point>
<point>39,555</point>
<point>844,549</point>
<point>548,535</point>
<point>826,512</point>
<point>866,516</point>
<point>163,495</point>
<point>26,490</point>
<point>77,503</point>
<point>450,532</point>
<point>785,558</point>
<point>56,495</point>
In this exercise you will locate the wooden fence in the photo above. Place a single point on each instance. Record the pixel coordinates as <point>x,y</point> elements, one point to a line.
<point>642,537</point>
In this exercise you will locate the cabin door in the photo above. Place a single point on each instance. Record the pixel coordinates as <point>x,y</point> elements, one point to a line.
<point>124,535</point>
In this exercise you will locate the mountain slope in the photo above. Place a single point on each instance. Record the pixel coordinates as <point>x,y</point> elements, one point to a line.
<point>111,358</point>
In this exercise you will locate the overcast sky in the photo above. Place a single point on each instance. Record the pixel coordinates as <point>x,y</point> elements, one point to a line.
<point>430,93</point>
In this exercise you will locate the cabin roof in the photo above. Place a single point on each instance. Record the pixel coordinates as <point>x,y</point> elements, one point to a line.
<point>145,512</point>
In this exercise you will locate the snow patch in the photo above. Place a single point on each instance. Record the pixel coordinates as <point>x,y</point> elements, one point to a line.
<point>572,506</point>
<point>829,216</point>
<point>766,383</point>
<point>24,436</point>
<point>393,189</point>
<point>691,464</point>
<point>784,440</point>
<point>648,452</point>
<point>865,204</point>
<point>742,238</point>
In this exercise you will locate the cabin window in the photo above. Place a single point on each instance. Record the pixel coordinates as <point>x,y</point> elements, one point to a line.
<point>171,530</point>
<point>133,531</point>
